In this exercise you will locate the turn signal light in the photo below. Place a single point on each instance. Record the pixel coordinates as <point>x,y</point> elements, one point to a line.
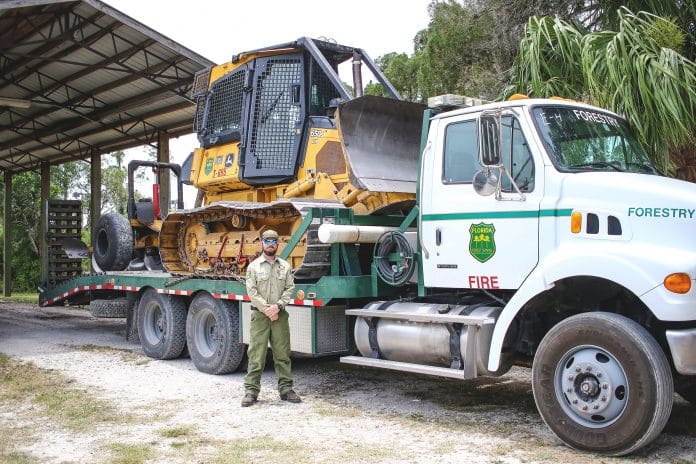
<point>576,222</point>
<point>678,283</point>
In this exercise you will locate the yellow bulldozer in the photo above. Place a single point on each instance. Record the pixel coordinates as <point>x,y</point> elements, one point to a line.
<point>279,133</point>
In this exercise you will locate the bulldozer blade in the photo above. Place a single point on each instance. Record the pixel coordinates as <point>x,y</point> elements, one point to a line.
<point>74,248</point>
<point>381,139</point>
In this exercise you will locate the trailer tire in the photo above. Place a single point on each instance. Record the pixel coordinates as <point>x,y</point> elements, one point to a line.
<point>584,357</point>
<point>212,335</point>
<point>117,307</point>
<point>113,242</point>
<point>161,324</point>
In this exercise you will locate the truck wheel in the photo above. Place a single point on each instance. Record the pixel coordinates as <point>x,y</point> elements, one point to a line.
<point>117,307</point>
<point>212,335</point>
<point>602,383</point>
<point>161,325</point>
<point>113,242</point>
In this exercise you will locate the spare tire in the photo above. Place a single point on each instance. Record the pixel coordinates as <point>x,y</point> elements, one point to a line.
<point>117,307</point>
<point>113,242</point>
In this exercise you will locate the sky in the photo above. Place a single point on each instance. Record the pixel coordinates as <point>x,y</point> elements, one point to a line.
<point>217,29</point>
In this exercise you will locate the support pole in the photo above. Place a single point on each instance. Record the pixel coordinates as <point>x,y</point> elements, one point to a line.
<point>7,238</point>
<point>45,193</point>
<point>163,157</point>
<point>95,180</point>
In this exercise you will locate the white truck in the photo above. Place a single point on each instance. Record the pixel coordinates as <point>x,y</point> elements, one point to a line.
<point>540,235</point>
<point>566,250</point>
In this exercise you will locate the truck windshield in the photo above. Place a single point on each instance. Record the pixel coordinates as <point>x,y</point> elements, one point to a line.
<point>579,139</point>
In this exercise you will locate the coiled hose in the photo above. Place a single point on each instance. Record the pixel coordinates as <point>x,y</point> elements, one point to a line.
<point>394,270</point>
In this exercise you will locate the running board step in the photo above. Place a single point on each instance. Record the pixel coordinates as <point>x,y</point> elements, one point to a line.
<point>407,367</point>
<point>432,318</point>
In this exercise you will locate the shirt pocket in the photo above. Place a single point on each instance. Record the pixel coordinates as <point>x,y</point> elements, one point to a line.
<point>281,273</point>
<point>263,278</point>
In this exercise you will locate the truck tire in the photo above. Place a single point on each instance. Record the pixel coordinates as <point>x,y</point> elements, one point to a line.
<point>117,307</point>
<point>212,335</point>
<point>113,242</point>
<point>602,383</point>
<point>161,325</point>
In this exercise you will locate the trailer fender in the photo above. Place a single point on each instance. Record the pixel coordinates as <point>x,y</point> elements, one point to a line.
<point>638,275</point>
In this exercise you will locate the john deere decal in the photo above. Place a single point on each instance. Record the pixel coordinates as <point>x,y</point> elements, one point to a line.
<point>208,166</point>
<point>482,242</point>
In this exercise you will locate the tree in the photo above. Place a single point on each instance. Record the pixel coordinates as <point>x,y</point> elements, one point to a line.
<point>25,230</point>
<point>114,183</point>
<point>635,71</point>
<point>467,48</point>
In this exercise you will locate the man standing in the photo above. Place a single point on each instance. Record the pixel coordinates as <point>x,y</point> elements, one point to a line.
<point>269,283</point>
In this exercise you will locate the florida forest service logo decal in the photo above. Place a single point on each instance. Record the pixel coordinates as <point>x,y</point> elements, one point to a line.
<point>209,166</point>
<point>482,241</point>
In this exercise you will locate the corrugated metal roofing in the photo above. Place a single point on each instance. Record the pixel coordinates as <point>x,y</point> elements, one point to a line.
<point>80,77</point>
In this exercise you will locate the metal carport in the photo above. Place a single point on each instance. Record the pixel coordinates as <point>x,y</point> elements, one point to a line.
<point>79,79</point>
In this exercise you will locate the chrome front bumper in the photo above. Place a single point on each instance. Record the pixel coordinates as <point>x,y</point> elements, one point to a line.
<point>682,344</point>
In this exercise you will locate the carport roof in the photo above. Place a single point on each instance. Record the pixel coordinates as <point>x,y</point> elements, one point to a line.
<point>79,78</point>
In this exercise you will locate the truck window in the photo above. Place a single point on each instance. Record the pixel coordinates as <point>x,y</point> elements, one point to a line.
<point>460,161</point>
<point>516,157</point>
<point>580,139</point>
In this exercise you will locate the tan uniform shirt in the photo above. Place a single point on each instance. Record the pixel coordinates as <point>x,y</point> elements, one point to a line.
<point>268,283</point>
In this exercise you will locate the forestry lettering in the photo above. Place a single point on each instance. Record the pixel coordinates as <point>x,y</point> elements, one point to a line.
<point>675,213</point>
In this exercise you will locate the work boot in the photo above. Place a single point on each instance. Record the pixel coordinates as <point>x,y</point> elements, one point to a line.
<point>249,399</point>
<point>290,396</point>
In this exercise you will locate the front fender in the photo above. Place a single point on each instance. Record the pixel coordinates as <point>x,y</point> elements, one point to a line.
<point>638,269</point>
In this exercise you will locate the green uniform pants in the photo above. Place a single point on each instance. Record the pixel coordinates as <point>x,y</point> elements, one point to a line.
<point>262,329</point>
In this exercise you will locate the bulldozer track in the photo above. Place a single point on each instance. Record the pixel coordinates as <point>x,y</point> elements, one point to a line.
<point>315,263</point>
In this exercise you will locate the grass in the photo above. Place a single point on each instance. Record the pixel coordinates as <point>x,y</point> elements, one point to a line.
<point>261,449</point>
<point>71,407</point>
<point>18,458</point>
<point>22,298</point>
<point>179,431</point>
<point>130,453</point>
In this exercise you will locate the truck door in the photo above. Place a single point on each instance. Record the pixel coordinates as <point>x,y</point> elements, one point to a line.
<point>476,241</point>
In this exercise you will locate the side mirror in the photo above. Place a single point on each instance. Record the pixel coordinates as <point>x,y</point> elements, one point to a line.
<point>489,136</point>
<point>485,182</point>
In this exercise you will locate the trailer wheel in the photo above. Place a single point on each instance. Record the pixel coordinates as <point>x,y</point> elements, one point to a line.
<point>161,325</point>
<point>113,242</point>
<point>602,383</point>
<point>212,335</point>
<point>117,307</point>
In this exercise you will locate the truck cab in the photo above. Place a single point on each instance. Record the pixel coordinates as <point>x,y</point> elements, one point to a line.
<point>552,208</point>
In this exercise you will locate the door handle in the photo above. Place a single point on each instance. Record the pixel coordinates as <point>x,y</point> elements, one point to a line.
<point>438,236</point>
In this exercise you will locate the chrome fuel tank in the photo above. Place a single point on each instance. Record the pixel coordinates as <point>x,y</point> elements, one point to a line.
<point>425,343</point>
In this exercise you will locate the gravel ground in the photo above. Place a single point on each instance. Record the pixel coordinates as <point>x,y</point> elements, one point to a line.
<point>349,414</point>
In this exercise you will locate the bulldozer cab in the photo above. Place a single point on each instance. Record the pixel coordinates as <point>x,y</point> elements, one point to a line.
<point>267,100</point>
